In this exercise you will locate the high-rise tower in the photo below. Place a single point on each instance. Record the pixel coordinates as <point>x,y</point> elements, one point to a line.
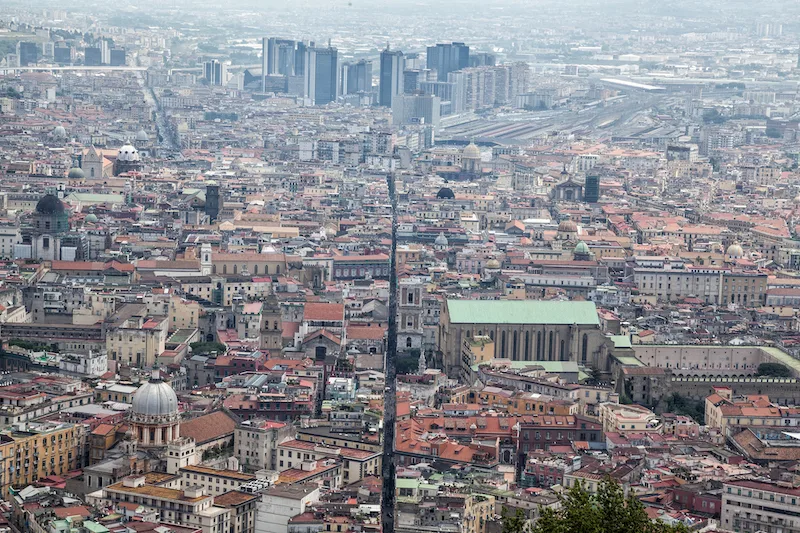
<point>391,77</point>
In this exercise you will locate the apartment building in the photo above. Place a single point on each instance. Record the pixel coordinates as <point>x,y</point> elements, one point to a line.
<point>749,506</point>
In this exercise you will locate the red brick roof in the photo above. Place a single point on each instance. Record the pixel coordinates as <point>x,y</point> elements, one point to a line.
<point>208,427</point>
<point>324,311</point>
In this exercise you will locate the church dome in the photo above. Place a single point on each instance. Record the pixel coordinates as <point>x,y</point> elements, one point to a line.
<point>493,264</point>
<point>91,218</point>
<point>445,193</point>
<point>471,151</point>
<point>128,154</point>
<point>441,240</point>
<point>735,251</point>
<point>59,132</point>
<point>142,136</point>
<point>50,204</point>
<point>568,226</point>
<point>76,173</point>
<point>582,248</point>
<point>155,399</point>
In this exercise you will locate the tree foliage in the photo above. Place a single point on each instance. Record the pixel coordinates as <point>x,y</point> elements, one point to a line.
<point>514,523</point>
<point>608,511</point>
<point>775,370</point>
<point>681,405</point>
<point>200,348</point>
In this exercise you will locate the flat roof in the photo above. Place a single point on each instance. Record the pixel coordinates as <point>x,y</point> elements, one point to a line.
<point>231,474</point>
<point>551,367</point>
<point>155,492</point>
<point>522,312</point>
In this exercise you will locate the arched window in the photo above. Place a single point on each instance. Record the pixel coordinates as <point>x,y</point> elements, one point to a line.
<point>550,347</point>
<point>514,348</point>
<point>503,344</point>
<point>266,269</point>
<point>538,346</point>
<point>491,335</point>
<point>562,351</point>
<point>585,348</point>
<point>408,342</point>
<point>224,269</point>
<point>527,345</point>
<point>255,270</point>
<point>234,269</point>
<point>214,269</point>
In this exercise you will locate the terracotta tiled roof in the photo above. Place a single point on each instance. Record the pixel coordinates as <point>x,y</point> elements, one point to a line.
<point>324,311</point>
<point>209,427</point>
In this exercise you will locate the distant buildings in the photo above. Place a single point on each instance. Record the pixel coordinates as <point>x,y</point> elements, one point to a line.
<point>27,53</point>
<point>391,76</point>
<point>322,75</point>
<point>215,72</point>
<point>446,58</point>
<point>416,109</point>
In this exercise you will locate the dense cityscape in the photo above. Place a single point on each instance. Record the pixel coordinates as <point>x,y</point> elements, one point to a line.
<point>456,267</point>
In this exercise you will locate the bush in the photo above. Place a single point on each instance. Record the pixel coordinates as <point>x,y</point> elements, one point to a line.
<point>681,405</point>
<point>203,348</point>
<point>33,346</point>
<point>774,370</point>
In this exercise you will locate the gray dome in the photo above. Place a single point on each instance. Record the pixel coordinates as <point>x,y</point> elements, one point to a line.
<point>76,173</point>
<point>91,217</point>
<point>49,205</point>
<point>141,136</point>
<point>59,132</point>
<point>582,248</point>
<point>441,240</point>
<point>155,399</point>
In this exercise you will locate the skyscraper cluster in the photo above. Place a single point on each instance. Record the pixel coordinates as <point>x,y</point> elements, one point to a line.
<point>459,81</point>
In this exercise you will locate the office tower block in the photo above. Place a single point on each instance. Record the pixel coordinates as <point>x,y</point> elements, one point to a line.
<point>92,56</point>
<point>322,75</point>
<point>416,109</point>
<point>482,59</point>
<point>27,53</point>
<point>411,79</point>
<point>447,91</point>
<point>278,56</point>
<point>48,49</point>
<point>356,77</point>
<point>117,57</point>
<point>446,58</point>
<point>215,72</point>
<point>63,53</point>
<point>414,61</point>
<point>105,51</point>
<point>391,76</point>
<point>301,57</point>
<point>591,189</point>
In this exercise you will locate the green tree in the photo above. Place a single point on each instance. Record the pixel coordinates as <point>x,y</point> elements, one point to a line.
<point>514,523</point>
<point>608,511</point>
<point>201,348</point>
<point>775,370</point>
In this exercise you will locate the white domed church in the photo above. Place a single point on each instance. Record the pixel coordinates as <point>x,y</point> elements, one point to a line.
<point>155,424</point>
<point>154,416</point>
